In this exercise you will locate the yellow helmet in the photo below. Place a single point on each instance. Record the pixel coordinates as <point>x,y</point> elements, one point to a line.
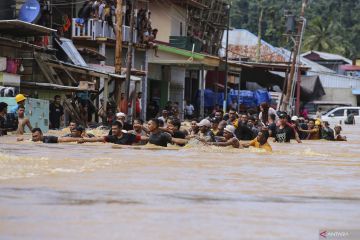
<point>20,98</point>
<point>317,122</point>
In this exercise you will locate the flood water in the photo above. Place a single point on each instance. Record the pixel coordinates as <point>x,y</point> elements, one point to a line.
<point>93,191</point>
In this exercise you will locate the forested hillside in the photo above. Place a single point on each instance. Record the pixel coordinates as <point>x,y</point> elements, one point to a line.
<point>332,25</point>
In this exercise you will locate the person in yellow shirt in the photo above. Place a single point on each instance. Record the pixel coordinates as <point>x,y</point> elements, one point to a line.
<point>260,141</point>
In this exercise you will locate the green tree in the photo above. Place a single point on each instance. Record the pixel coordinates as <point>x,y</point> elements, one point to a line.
<point>323,37</point>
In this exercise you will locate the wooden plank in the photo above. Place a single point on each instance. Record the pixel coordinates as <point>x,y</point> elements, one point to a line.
<point>44,69</point>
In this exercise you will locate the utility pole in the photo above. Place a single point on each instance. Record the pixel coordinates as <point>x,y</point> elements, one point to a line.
<point>228,7</point>
<point>118,48</point>
<point>258,49</point>
<point>286,101</point>
<point>129,54</point>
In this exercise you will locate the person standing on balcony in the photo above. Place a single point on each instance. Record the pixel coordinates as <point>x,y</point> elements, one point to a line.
<point>149,40</point>
<point>101,10</point>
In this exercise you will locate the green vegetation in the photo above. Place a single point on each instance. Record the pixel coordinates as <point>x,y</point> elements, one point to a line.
<point>332,25</point>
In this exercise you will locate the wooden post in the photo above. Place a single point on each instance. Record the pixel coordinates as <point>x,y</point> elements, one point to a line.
<point>129,56</point>
<point>118,48</point>
<point>202,92</point>
<point>144,87</point>
<point>286,100</point>
<point>298,94</point>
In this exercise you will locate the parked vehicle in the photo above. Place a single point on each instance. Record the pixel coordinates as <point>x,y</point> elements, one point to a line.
<point>339,115</point>
<point>325,106</point>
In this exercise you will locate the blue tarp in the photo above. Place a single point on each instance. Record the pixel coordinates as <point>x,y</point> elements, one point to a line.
<point>245,97</point>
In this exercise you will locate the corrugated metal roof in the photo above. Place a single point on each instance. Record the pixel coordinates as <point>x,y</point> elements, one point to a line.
<point>68,46</point>
<point>312,65</point>
<point>329,56</point>
<point>243,43</point>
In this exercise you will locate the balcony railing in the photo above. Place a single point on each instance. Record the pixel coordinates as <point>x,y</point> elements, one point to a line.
<point>93,29</point>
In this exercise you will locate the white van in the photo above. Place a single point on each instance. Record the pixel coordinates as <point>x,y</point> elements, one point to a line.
<point>339,115</point>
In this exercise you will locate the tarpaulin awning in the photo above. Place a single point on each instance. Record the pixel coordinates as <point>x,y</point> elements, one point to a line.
<point>311,88</point>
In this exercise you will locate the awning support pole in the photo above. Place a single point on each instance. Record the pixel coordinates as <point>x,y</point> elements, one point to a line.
<point>202,92</point>
<point>298,88</point>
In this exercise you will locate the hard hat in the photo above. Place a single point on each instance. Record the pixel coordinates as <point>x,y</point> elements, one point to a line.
<point>317,123</point>
<point>20,98</point>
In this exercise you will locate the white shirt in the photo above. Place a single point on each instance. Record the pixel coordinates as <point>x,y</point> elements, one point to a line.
<point>189,109</point>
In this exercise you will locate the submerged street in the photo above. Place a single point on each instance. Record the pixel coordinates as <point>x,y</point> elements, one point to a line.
<point>94,191</point>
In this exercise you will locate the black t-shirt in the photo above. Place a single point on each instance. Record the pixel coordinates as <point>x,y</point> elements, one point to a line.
<point>55,114</point>
<point>243,132</point>
<point>272,128</point>
<point>125,139</point>
<point>50,139</point>
<point>2,126</point>
<point>179,134</point>
<point>127,126</point>
<point>284,134</point>
<point>160,139</point>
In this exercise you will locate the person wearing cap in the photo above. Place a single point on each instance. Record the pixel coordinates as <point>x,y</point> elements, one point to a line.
<point>20,101</point>
<point>261,141</point>
<point>215,127</point>
<point>338,136</point>
<point>326,132</point>
<point>295,125</point>
<point>283,132</point>
<point>120,116</point>
<point>229,138</point>
<point>313,131</point>
<point>205,133</point>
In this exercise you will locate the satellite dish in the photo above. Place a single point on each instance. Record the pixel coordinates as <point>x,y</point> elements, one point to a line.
<point>30,11</point>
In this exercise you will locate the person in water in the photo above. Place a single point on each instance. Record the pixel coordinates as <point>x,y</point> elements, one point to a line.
<point>326,132</point>
<point>283,132</point>
<point>205,134</point>
<point>261,141</point>
<point>117,136</point>
<point>194,129</point>
<point>228,140</point>
<point>338,136</point>
<point>38,136</point>
<point>160,138</point>
<point>313,130</point>
<point>22,121</point>
<point>139,130</point>
<point>79,132</point>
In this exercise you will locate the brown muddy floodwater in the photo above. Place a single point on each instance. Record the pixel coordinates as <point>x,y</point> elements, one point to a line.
<point>93,191</point>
